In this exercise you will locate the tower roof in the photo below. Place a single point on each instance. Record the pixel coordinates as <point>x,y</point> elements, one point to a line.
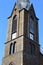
<point>23,4</point>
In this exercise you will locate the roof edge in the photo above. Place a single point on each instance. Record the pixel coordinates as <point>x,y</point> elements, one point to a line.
<point>12,10</point>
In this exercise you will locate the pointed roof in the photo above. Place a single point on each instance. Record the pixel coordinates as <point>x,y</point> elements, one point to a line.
<point>12,10</point>
<point>31,7</point>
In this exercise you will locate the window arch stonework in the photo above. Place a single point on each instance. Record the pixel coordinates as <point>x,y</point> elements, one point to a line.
<point>11,63</point>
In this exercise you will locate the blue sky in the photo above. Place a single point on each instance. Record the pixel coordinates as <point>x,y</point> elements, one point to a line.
<point>6,7</point>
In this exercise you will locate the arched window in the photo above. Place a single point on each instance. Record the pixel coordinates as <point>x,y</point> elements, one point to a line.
<point>11,48</point>
<point>14,27</point>
<point>31,25</point>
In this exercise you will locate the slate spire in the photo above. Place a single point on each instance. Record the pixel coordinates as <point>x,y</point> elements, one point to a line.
<point>23,4</point>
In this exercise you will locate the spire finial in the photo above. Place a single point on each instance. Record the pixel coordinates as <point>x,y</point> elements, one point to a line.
<point>23,4</point>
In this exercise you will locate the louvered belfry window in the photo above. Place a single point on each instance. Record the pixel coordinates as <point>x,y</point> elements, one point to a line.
<point>14,27</point>
<point>31,29</point>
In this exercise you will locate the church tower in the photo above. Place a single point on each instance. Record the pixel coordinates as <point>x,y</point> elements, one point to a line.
<point>22,45</point>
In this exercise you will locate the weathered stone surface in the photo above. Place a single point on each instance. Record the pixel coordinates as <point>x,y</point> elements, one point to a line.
<point>23,55</point>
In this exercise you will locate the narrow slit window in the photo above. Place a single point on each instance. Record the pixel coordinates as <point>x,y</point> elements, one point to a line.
<point>14,47</point>
<point>11,48</point>
<point>33,49</point>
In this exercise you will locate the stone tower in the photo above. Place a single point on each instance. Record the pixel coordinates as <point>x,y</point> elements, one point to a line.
<point>22,45</point>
